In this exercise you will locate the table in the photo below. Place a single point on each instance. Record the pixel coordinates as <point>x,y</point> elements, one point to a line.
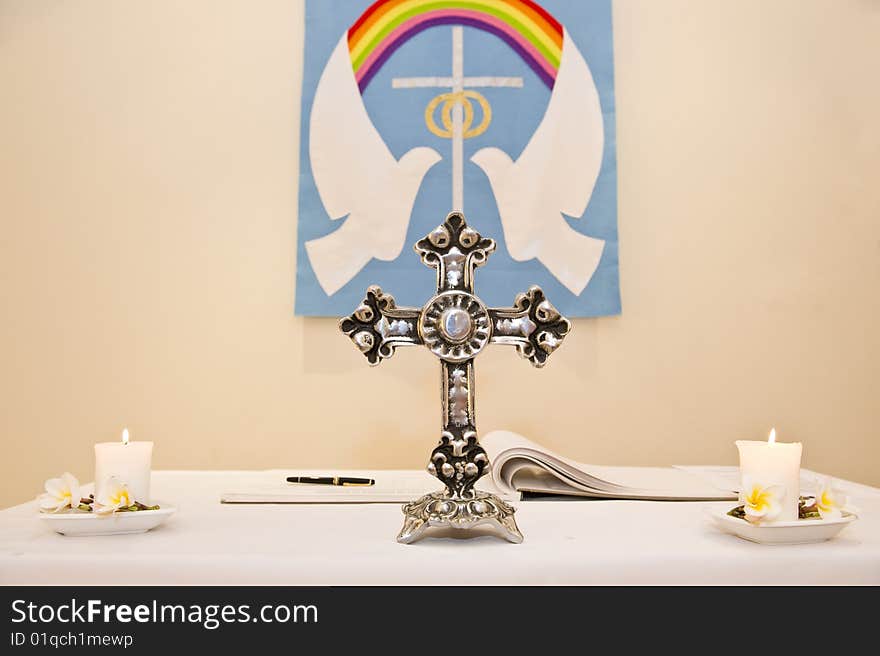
<point>567,542</point>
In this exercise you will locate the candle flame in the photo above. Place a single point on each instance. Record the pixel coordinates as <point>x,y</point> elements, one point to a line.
<point>772,438</point>
<point>125,436</point>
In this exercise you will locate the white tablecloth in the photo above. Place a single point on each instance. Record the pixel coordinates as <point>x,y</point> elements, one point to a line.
<point>566,542</point>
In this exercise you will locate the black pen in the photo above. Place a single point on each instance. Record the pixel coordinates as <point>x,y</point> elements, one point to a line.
<point>331,480</point>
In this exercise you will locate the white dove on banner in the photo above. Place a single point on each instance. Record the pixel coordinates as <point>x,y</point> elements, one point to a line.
<point>357,175</point>
<point>555,174</point>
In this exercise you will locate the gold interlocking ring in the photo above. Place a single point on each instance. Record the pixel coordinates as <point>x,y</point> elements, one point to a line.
<point>450,100</point>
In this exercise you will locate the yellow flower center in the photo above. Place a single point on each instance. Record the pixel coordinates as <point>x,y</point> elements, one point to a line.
<point>824,501</point>
<point>121,498</point>
<point>758,498</point>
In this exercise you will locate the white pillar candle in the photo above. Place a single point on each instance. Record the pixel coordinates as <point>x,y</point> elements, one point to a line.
<point>773,463</point>
<point>129,462</point>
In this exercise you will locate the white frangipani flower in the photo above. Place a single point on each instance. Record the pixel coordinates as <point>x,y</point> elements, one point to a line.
<point>114,495</point>
<point>60,493</point>
<point>830,501</point>
<point>761,504</point>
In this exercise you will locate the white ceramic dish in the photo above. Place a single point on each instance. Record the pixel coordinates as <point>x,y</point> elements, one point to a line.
<point>120,523</point>
<point>801,531</point>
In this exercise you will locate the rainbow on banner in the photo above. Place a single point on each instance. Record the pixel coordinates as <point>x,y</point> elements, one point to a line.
<point>387,24</point>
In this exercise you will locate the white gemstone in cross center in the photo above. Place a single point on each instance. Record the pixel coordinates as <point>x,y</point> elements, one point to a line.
<point>456,324</point>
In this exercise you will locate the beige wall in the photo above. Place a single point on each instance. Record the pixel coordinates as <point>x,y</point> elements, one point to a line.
<point>148,184</point>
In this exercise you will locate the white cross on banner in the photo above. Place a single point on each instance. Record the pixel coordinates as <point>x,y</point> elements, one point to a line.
<point>458,83</point>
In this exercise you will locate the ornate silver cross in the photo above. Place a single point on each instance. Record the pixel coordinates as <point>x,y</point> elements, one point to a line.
<point>455,325</point>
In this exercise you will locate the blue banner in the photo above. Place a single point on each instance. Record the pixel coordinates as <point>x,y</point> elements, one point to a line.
<point>501,108</point>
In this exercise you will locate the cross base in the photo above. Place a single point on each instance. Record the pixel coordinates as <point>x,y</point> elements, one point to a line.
<point>442,510</point>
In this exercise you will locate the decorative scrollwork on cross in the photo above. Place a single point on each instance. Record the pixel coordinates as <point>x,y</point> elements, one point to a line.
<point>454,249</point>
<point>533,325</point>
<point>459,461</point>
<point>455,325</point>
<point>377,326</point>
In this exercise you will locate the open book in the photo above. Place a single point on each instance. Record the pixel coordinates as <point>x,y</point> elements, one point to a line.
<point>519,465</point>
